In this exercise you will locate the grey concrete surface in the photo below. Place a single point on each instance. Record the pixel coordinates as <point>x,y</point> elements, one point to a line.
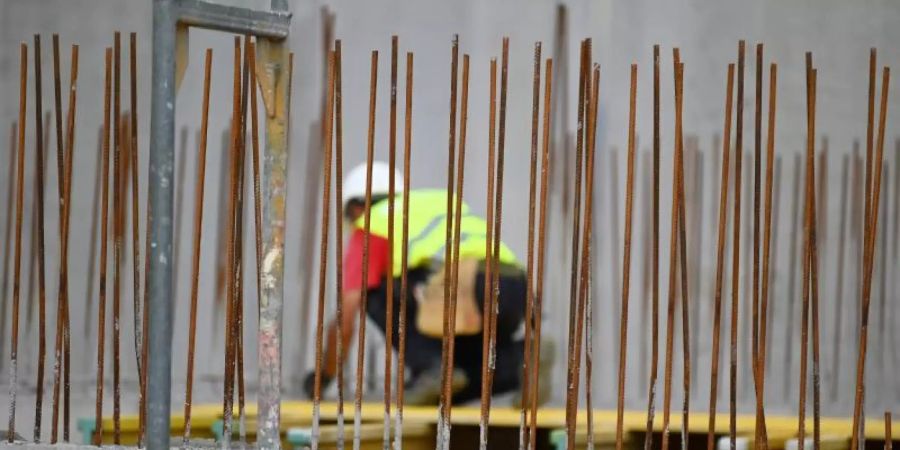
<point>838,33</point>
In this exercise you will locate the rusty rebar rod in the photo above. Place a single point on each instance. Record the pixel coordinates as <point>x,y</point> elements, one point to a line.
<point>231,250</point>
<point>654,256</point>
<point>859,435</point>
<point>868,257</point>
<point>361,336</point>
<point>807,242</point>
<point>720,261</point>
<point>870,133</point>
<point>580,312</point>
<point>39,215</point>
<point>561,136</point>
<point>404,254</point>
<point>869,225</point>
<point>70,145</point>
<point>254,147</point>
<point>573,357</point>
<point>57,115</point>
<point>137,312</point>
<point>453,261</point>
<point>250,90</point>
<point>584,294</point>
<point>757,317</point>
<point>814,276</point>
<point>626,258</point>
<point>20,194</point>
<point>674,238</point>
<point>542,225</point>
<point>736,245</point>
<point>757,180</point>
<point>529,289</point>
<point>63,328</point>
<point>198,232</point>
<point>888,438</point>
<point>682,252</point>
<point>762,435</point>
<point>60,185</point>
<point>457,220</point>
<point>62,289</point>
<point>389,280</point>
<point>238,305</point>
<point>339,243</point>
<point>104,225</point>
<point>487,385</point>
<point>498,212</point>
<point>145,307</point>
<point>247,83</point>
<point>489,255</point>
<point>443,426</point>
<point>327,140</point>
<point>117,236</point>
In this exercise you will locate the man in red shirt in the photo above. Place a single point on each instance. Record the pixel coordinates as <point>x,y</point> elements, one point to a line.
<point>423,348</point>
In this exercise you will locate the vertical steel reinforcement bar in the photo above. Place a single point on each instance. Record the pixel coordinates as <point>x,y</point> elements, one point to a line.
<point>271,27</point>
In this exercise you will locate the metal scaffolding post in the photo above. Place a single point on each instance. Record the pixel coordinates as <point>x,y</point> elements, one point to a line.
<point>171,21</point>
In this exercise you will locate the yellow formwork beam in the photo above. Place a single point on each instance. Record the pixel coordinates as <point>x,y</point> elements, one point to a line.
<point>299,414</point>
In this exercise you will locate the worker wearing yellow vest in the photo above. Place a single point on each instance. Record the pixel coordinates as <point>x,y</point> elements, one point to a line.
<point>425,278</point>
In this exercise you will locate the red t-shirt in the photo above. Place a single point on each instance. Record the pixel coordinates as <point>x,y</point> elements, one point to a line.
<point>353,258</point>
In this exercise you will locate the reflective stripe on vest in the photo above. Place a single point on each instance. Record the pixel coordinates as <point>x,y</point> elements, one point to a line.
<point>427,230</point>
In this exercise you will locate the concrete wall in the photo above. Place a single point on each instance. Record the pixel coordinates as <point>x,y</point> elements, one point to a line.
<point>838,33</point>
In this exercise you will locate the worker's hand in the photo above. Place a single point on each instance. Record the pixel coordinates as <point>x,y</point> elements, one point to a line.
<point>309,383</point>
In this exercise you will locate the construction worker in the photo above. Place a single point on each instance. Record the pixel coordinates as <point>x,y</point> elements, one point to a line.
<point>424,302</point>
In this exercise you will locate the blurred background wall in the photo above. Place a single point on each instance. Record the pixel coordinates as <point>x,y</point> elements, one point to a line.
<point>838,33</point>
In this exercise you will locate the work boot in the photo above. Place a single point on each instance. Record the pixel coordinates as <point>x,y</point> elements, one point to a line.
<point>548,352</point>
<point>425,389</point>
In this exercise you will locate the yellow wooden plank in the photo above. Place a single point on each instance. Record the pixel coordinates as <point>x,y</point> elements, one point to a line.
<point>202,417</point>
<point>556,418</point>
<point>299,413</point>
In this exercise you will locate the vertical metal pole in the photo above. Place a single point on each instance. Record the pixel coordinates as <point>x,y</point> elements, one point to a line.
<point>272,70</point>
<point>162,165</point>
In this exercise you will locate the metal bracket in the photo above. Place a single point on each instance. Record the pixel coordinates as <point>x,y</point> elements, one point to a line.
<point>172,20</point>
<point>182,44</point>
<point>272,25</point>
<point>267,62</point>
<point>233,19</point>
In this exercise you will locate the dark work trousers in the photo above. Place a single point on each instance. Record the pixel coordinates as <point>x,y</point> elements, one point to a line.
<point>424,352</point>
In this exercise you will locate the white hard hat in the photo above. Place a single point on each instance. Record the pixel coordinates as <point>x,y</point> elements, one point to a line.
<point>355,181</point>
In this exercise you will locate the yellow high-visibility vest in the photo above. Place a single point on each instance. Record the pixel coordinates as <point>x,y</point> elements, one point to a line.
<point>428,228</point>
